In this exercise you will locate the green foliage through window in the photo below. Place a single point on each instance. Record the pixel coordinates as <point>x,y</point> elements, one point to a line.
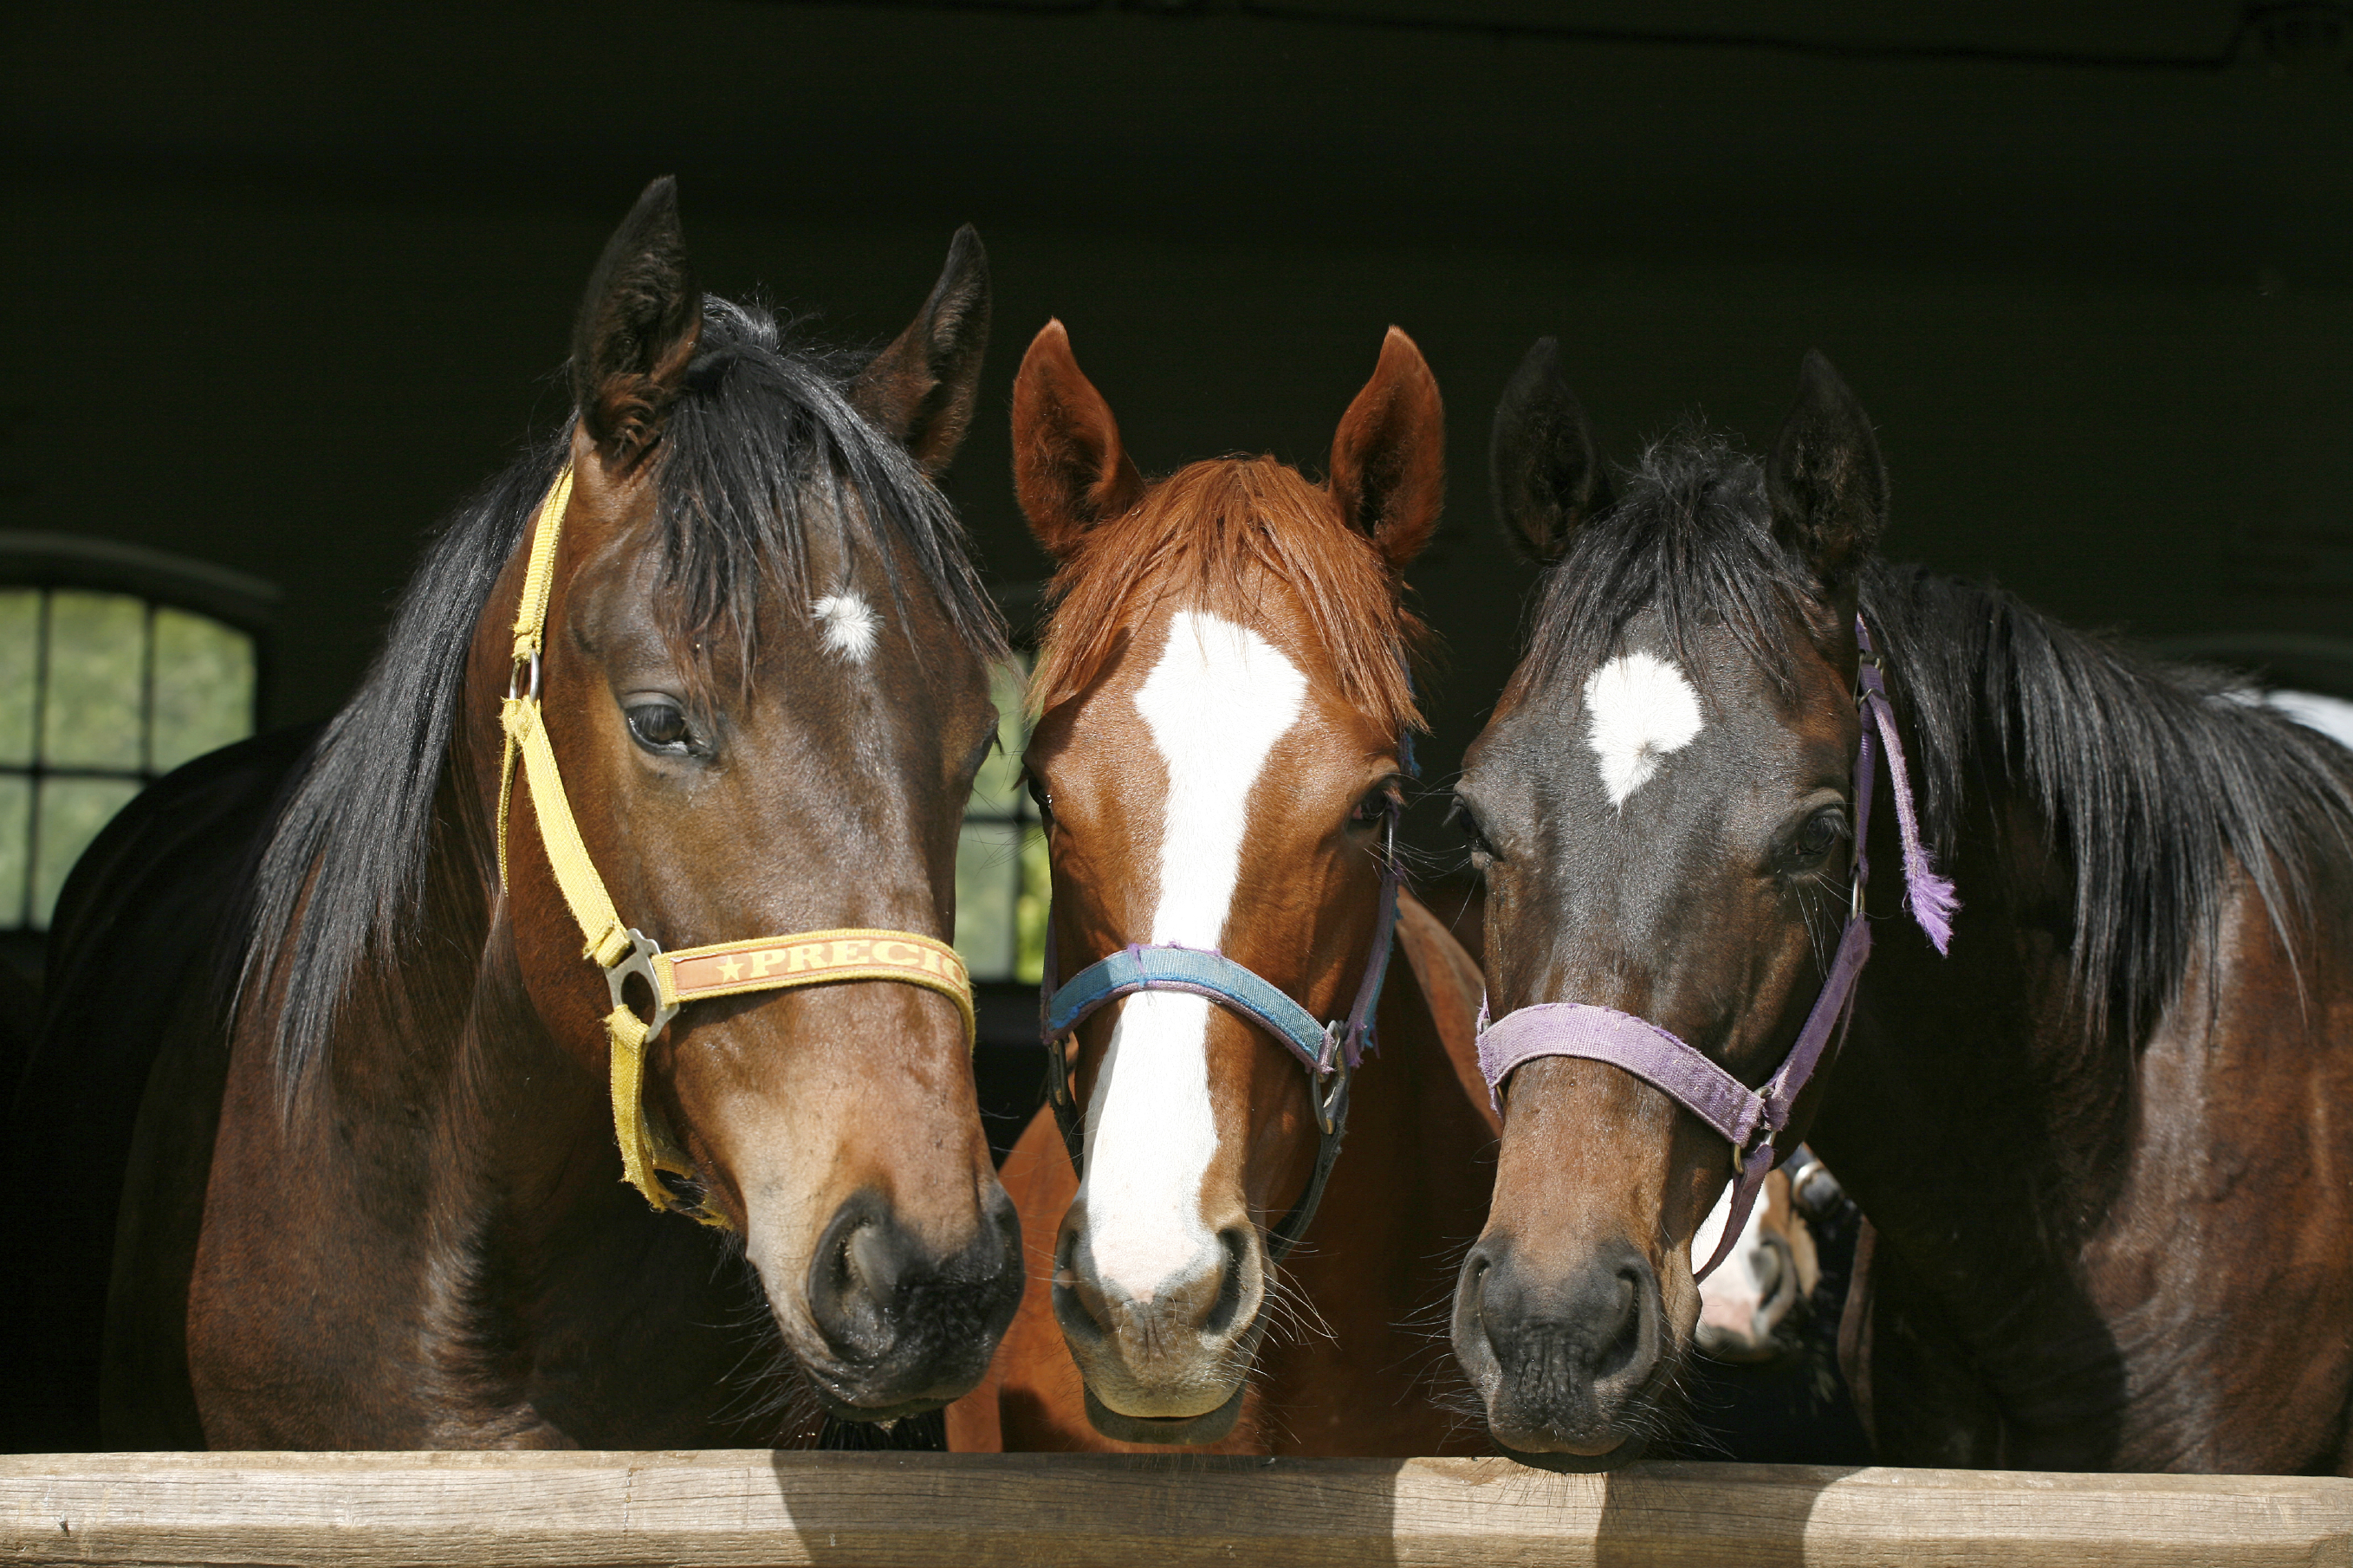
<point>99,693</point>
<point>1002,884</point>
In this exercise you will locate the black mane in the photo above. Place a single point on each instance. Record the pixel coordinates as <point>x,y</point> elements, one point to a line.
<point>759,448</point>
<point>2159,784</point>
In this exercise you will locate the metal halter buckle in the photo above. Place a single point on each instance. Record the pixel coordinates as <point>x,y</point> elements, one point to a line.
<point>639,962</point>
<point>1332,1105</point>
<point>516,684</point>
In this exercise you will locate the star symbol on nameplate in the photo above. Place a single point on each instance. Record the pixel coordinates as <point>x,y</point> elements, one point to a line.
<point>731,969</point>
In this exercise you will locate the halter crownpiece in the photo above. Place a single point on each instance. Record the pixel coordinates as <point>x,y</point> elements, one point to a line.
<point>1332,1050</point>
<point>1749,1120</point>
<point>623,953</point>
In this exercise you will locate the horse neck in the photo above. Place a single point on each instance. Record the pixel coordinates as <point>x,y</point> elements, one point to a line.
<point>443,1021</point>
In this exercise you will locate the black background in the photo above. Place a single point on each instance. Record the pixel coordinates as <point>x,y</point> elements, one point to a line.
<point>280,285</point>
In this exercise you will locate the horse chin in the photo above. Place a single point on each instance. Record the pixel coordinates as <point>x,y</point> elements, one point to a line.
<point>1572,1462</point>
<point>1207,1427</point>
<point>1181,1405</point>
<point>1581,1435</point>
<point>1571,1447</point>
<point>906,1382</point>
<point>878,1413</point>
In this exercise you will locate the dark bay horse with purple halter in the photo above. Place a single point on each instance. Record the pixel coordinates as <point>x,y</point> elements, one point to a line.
<point>744,660</point>
<point>2102,1140</point>
<point>1220,756</point>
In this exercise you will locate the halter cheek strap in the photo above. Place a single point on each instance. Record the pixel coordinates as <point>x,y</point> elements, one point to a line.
<point>1327,1051</point>
<point>1749,1120</point>
<point>672,979</point>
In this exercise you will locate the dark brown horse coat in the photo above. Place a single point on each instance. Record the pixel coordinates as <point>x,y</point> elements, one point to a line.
<point>2104,1144</point>
<point>376,1205</point>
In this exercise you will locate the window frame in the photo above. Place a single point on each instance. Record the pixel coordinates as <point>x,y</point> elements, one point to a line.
<point>50,563</point>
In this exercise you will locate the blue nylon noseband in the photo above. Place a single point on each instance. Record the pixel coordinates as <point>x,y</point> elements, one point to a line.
<point>1330,1050</point>
<point>1202,973</point>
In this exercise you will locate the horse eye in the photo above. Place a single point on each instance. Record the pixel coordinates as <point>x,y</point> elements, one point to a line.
<point>1461,817</point>
<point>661,727</point>
<point>1372,808</point>
<point>1040,796</point>
<point>1821,833</point>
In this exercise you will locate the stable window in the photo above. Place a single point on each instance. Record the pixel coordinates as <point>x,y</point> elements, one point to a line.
<point>117,665</point>
<point>1002,882</point>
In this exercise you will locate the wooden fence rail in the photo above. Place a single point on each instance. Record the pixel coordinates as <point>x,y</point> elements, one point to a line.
<point>1049,1512</point>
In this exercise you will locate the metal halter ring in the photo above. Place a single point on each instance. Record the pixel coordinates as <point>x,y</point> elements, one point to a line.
<point>1332,1105</point>
<point>516,685</point>
<point>639,963</point>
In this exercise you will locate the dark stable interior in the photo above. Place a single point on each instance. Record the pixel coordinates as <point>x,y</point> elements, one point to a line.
<point>282,284</point>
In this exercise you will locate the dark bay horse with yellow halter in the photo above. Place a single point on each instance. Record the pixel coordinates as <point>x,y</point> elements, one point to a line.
<point>641,829</point>
<point>2097,1117</point>
<point>1220,756</point>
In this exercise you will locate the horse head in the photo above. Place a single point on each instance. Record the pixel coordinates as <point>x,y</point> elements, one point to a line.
<point>1750,1305</point>
<point>1224,714</point>
<point>763,681</point>
<point>1663,809</point>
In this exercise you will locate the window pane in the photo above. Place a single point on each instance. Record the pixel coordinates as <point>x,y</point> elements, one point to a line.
<point>98,657</point>
<point>204,687</point>
<point>72,811</point>
<point>15,846</point>
<point>994,792</point>
<point>988,882</point>
<point>20,641</point>
<point>1029,912</point>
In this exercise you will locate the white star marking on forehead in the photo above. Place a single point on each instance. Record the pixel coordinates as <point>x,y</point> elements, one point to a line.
<point>1637,708</point>
<point>847,625</point>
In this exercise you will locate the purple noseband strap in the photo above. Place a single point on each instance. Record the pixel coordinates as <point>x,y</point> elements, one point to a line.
<point>1749,1120</point>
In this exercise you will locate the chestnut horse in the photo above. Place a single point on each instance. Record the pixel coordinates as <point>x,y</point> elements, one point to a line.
<point>1220,754</point>
<point>377,1203</point>
<point>2103,1145</point>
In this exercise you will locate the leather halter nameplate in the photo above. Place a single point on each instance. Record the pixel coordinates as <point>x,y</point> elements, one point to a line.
<point>1327,1051</point>
<point>1749,1120</point>
<point>671,979</point>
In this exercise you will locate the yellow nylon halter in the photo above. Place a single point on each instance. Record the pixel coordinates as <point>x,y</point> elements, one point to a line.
<point>721,969</point>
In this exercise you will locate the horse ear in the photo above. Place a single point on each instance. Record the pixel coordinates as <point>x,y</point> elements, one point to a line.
<point>1826,483</point>
<point>1069,468</point>
<point>1389,458</point>
<point>1543,461</point>
<point>920,390</point>
<point>638,327</point>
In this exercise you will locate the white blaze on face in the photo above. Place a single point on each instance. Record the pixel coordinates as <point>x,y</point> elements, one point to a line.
<point>1215,705</point>
<point>847,625</point>
<point>1637,708</point>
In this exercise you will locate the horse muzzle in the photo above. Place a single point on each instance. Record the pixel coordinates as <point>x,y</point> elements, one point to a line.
<point>1165,1362</point>
<point>1568,1366</point>
<point>892,1326</point>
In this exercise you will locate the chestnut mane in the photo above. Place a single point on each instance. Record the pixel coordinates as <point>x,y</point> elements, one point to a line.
<point>1213,536</point>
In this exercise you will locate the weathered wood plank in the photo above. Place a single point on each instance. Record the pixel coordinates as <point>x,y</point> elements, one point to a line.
<point>975,1511</point>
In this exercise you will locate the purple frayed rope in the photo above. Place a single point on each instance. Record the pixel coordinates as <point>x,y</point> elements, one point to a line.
<point>1931,898</point>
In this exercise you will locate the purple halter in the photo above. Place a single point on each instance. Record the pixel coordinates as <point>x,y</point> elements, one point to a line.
<point>1749,1120</point>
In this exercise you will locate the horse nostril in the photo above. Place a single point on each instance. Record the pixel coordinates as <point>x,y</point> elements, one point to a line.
<point>874,1261</point>
<point>853,1280</point>
<point>1623,1345</point>
<point>1233,1248</point>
